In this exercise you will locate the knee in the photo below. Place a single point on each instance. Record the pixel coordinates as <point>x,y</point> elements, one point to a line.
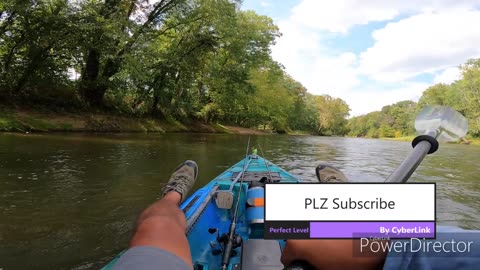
<point>163,222</point>
<point>163,215</point>
<point>156,231</point>
<point>158,222</point>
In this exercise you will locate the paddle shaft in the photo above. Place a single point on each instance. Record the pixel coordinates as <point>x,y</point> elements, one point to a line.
<point>410,164</point>
<point>423,145</point>
<point>400,175</point>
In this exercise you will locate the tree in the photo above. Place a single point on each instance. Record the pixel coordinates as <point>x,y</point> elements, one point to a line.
<point>173,59</point>
<point>332,115</point>
<point>470,87</point>
<point>397,119</point>
<point>35,48</point>
<point>115,37</point>
<point>244,46</point>
<point>273,100</point>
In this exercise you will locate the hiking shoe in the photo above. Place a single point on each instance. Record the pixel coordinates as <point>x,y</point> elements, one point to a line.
<point>182,179</point>
<point>326,173</point>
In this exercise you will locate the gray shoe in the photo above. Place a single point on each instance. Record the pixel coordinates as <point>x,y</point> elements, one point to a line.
<point>182,179</point>
<point>326,173</point>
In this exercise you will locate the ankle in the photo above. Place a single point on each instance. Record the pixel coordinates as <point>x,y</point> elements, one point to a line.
<point>173,197</point>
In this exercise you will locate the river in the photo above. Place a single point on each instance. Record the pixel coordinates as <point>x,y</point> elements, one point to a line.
<point>68,201</point>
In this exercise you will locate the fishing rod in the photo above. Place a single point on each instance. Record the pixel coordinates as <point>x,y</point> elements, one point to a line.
<point>266,165</point>
<point>234,240</point>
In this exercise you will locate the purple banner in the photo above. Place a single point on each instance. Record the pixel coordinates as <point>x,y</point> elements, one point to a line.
<point>358,229</point>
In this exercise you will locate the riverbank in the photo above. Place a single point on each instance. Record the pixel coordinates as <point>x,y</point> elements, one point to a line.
<point>27,121</point>
<point>469,141</point>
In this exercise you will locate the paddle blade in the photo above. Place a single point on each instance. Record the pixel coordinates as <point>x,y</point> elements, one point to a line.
<point>443,123</point>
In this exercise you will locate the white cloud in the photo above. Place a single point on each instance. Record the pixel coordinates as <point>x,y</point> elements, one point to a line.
<point>296,48</point>
<point>309,62</point>
<point>431,37</point>
<point>341,15</point>
<point>448,76</point>
<point>365,100</point>
<point>426,42</point>
<point>265,3</point>
<point>333,75</point>
<point>338,15</point>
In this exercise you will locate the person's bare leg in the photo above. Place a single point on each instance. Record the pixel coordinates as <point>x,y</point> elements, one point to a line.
<point>163,225</point>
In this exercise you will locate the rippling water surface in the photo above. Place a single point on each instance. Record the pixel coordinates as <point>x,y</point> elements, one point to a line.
<point>68,201</point>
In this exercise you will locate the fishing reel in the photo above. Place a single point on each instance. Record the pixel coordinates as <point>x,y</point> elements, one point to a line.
<point>223,240</point>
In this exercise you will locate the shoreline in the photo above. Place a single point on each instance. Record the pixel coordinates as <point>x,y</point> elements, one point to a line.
<point>30,121</point>
<point>468,141</point>
<point>35,121</point>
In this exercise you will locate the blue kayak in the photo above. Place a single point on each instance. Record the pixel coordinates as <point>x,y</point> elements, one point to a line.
<point>211,209</point>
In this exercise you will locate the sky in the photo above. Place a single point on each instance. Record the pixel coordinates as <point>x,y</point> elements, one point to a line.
<point>373,53</point>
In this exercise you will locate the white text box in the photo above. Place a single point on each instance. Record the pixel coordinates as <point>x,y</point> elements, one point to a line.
<point>317,202</point>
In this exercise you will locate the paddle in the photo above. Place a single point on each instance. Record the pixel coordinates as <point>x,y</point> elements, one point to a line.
<point>433,124</point>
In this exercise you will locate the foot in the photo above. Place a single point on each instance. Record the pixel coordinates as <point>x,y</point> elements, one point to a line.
<point>182,179</point>
<point>326,173</point>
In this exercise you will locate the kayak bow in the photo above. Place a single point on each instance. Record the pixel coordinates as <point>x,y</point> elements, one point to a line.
<point>209,220</point>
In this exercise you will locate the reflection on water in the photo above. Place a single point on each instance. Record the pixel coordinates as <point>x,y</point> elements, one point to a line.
<point>69,201</point>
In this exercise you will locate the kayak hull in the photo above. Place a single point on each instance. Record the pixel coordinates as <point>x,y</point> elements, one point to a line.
<point>206,220</point>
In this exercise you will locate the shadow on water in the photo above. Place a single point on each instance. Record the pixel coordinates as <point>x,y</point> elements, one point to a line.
<point>69,201</point>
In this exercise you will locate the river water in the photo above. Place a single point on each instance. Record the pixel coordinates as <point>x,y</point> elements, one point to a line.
<point>69,201</point>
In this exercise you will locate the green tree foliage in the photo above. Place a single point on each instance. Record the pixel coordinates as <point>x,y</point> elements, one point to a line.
<point>37,45</point>
<point>274,101</point>
<point>332,113</point>
<point>392,121</point>
<point>119,30</point>
<point>469,89</point>
<point>188,60</point>
<point>397,120</point>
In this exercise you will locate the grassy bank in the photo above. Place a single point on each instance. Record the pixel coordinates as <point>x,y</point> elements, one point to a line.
<point>470,141</point>
<point>300,133</point>
<point>403,139</point>
<point>474,141</point>
<point>36,121</point>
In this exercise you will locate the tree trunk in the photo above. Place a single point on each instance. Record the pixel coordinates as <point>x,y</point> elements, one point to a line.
<point>91,88</point>
<point>155,112</point>
<point>93,84</point>
<point>38,56</point>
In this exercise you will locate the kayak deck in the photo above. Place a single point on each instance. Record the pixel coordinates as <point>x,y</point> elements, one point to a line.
<point>206,221</point>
